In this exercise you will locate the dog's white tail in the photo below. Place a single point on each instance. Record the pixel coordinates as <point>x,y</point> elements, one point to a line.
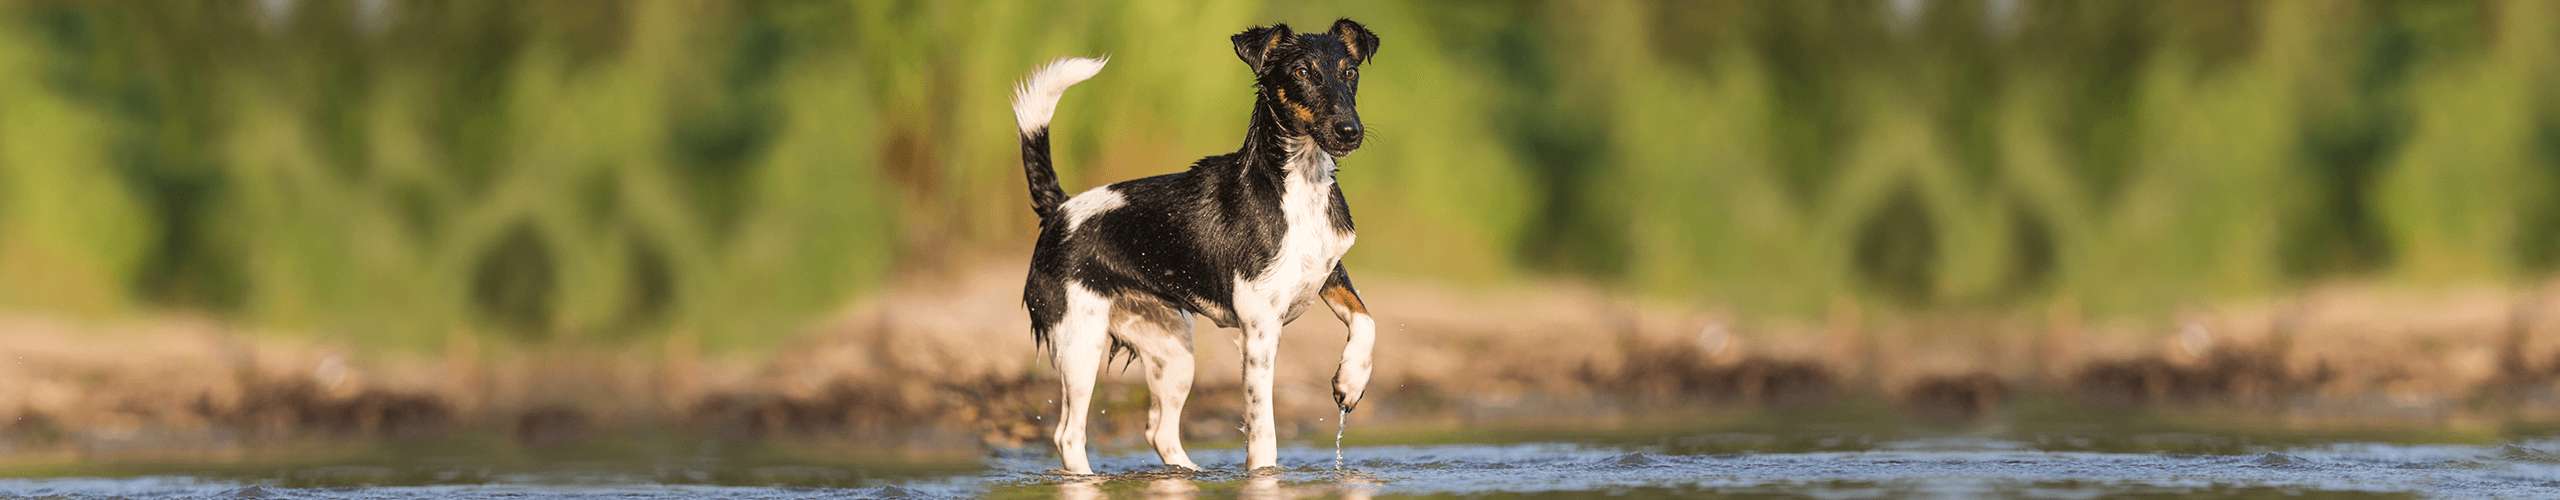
<point>1037,98</point>
<point>1033,102</point>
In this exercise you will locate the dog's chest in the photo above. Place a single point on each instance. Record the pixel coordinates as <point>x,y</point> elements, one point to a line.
<point>1309,247</point>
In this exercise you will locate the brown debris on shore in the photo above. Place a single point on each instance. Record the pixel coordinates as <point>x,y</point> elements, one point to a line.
<point>2247,374</point>
<point>185,385</point>
<point>1955,398</point>
<point>1685,372</point>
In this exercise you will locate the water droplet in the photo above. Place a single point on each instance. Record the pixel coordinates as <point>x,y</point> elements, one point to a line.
<point>1340,423</point>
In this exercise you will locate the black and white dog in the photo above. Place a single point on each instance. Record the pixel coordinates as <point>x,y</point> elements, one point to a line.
<point>1245,239</point>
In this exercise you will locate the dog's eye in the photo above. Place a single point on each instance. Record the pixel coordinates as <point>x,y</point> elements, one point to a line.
<point>1351,74</point>
<point>1300,71</point>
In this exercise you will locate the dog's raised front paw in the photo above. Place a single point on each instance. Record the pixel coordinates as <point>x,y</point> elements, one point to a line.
<point>1349,383</point>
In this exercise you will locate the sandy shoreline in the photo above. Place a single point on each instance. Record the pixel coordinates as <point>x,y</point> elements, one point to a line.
<point>946,360</point>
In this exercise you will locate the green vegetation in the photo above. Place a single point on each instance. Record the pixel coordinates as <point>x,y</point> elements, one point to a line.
<point>402,171</point>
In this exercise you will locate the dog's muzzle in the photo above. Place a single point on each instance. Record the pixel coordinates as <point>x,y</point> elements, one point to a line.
<point>1343,136</point>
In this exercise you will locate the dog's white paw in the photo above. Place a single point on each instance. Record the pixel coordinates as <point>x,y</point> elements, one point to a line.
<point>1350,381</point>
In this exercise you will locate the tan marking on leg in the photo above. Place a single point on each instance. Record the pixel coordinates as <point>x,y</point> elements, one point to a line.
<point>1343,299</point>
<point>1351,377</point>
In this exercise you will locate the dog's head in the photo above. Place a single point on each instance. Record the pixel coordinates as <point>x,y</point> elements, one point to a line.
<point>1311,81</point>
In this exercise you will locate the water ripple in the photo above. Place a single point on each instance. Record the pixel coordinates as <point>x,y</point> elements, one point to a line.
<point>1936,468</point>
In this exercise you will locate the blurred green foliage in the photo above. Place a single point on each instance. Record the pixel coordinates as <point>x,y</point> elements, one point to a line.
<point>400,171</point>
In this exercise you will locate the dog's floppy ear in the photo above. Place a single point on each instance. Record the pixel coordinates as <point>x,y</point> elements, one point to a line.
<point>1253,44</point>
<point>1357,39</point>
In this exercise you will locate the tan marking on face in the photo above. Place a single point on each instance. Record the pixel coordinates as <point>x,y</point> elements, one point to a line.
<point>1271,44</point>
<point>1304,114</point>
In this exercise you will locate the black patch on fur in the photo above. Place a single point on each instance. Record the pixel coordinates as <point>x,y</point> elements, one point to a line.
<point>1043,177</point>
<point>1340,212</point>
<point>1257,42</point>
<point>1362,43</point>
<point>1181,240</point>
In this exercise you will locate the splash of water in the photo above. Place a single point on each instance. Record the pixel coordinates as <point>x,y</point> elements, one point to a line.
<point>1340,423</point>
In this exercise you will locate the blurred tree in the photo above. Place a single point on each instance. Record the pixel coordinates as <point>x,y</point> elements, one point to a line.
<point>1813,52</point>
<point>2538,242</point>
<point>1560,128</point>
<point>139,63</point>
<point>1897,249</point>
<point>515,285</point>
<point>616,169</point>
<point>2348,139</point>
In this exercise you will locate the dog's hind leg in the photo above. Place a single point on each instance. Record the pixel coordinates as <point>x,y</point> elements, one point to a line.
<point>1080,341</point>
<point>1162,337</point>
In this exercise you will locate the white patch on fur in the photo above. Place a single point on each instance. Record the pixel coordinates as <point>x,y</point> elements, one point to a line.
<point>1036,99</point>
<point>1090,203</point>
<point>1261,345</point>
<point>1080,340</point>
<point>1309,248</point>
<point>1351,378</point>
<point>1166,350</point>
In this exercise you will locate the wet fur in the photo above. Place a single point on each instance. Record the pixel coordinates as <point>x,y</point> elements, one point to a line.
<point>1245,239</point>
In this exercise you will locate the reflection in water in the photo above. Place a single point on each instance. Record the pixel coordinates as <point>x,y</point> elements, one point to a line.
<point>1172,487</point>
<point>1082,488</point>
<point>1724,461</point>
<point>1938,467</point>
<point>1260,485</point>
<point>1354,487</point>
<point>1310,480</point>
<point>1955,468</point>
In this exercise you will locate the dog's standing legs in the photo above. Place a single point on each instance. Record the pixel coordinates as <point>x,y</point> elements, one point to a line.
<point>1162,337</point>
<point>1080,341</point>
<point>1261,355</point>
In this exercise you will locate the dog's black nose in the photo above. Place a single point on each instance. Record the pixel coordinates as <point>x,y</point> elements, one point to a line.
<point>1348,131</point>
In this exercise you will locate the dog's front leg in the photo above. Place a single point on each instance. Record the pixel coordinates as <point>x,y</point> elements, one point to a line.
<point>1351,378</point>
<point>1261,356</point>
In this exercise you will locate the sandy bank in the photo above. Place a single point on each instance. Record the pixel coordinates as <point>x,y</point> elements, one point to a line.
<point>948,360</point>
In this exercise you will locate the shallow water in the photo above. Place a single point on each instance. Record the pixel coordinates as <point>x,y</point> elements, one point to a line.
<point>1848,450</point>
<point>1954,468</point>
<point>1937,467</point>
